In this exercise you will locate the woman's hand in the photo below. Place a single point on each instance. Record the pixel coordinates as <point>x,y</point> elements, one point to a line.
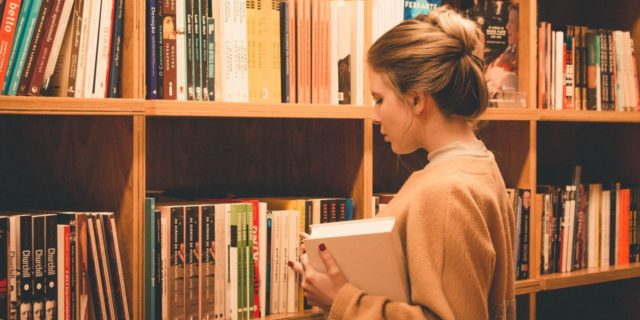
<point>320,288</point>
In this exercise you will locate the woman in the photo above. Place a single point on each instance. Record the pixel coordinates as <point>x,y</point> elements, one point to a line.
<point>453,216</point>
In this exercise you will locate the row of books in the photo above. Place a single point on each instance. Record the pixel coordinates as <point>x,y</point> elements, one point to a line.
<point>44,49</point>
<point>588,225</point>
<point>227,259</point>
<point>586,69</point>
<point>61,266</point>
<point>521,201</point>
<point>280,51</point>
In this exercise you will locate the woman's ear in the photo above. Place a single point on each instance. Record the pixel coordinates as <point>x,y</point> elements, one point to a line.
<point>419,102</point>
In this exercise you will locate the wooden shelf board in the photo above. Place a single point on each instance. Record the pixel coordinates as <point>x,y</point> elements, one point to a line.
<point>509,114</point>
<point>307,314</point>
<point>69,106</point>
<point>589,276</point>
<point>527,286</point>
<point>588,116</point>
<point>253,110</point>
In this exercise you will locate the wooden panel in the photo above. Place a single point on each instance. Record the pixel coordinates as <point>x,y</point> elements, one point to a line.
<point>607,152</point>
<point>509,142</point>
<point>613,300</point>
<point>69,106</point>
<point>527,52</point>
<point>254,157</point>
<point>253,110</point>
<point>365,178</point>
<point>510,114</point>
<point>527,286</point>
<point>71,163</point>
<point>138,216</point>
<point>308,314</point>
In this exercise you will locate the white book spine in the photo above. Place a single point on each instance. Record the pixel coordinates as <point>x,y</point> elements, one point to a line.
<point>57,42</point>
<point>293,243</point>
<point>284,258</point>
<point>606,224</point>
<point>560,49</point>
<point>83,48</point>
<point>275,262</point>
<point>103,54</point>
<point>92,48</point>
<point>235,68</point>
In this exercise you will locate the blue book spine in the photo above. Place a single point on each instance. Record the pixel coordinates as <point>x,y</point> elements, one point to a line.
<point>23,51</point>
<point>22,17</point>
<point>285,66</point>
<point>349,209</point>
<point>116,51</point>
<point>152,50</point>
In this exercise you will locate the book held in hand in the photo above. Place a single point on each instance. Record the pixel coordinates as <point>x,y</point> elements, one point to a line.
<point>368,252</point>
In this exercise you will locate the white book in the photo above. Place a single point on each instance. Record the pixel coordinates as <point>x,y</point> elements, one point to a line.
<point>81,78</point>
<point>592,243</point>
<point>605,211</point>
<point>221,237</point>
<point>559,54</point>
<point>233,51</point>
<point>565,231</point>
<point>356,246</point>
<point>292,280</point>
<point>91,56</point>
<point>284,259</point>
<point>103,50</point>
<point>57,42</point>
<point>275,262</point>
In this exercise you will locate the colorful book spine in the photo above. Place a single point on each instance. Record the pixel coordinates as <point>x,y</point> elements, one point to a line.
<point>169,49</point>
<point>40,66</point>
<point>189,54</point>
<point>192,262</point>
<point>7,32</point>
<point>23,50</point>
<point>23,17</point>
<point>35,46</point>
<point>150,258</point>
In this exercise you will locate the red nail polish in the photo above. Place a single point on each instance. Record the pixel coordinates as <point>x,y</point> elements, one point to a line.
<point>290,263</point>
<point>322,247</point>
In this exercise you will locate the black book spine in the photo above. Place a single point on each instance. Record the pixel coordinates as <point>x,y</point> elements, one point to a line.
<point>204,49</point>
<point>208,261</point>
<point>158,257</point>
<point>211,49</point>
<point>25,277</point>
<point>38,267</point>
<point>51,274</point>
<point>191,262</point>
<point>191,94</point>
<point>115,87</point>
<point>4,268</point>
<point>285,66</point>
<point>160,49</point>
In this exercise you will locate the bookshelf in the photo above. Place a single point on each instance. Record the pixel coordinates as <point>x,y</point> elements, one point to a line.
<point>99,154</point>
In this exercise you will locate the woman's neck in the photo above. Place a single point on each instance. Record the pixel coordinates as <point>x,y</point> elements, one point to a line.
<point>443,131</point>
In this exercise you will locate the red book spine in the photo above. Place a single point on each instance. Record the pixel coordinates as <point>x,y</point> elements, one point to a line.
<point>67,275</point>
<point>8,29</point>
<point>35,82</point>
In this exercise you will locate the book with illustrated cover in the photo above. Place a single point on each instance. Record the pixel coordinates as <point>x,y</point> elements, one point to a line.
<point>413,8</point>
<point>358,245</point>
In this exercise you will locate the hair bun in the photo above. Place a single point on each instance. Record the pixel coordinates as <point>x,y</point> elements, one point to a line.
<point>455,26</point>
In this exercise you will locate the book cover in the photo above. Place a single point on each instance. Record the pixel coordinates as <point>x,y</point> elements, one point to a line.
<point>34,46</point>
<point>4,268</point>
<point>104,256</point>
<point>51,267</point>
<point>358,245</point>
<point>115,64</point>
<point>207,231</point>
<point>191,260</point>
<point>413,8</point>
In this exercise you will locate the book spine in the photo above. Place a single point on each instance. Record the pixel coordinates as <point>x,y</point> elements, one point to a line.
<point>158,266</point>
<point>59,35</point>
<point>197,53</point>
<point>208,263</point>
<point>191,263</point>
<point>169,49</point>
<point>115,71</point>
<point>35,83</point>
<point>34,48</point>
<point>152,50</point>
<point>255,273</point>
<point>25,291</point>
<point>39,270</point>
<point>269,248</point>
<point>211,63</point>
<point>4,268</point>
<point>204,51</point>
<point>150,258</point>
<point>191,94</point>
<point>73,269</point>
<point>108,276</point>
<point>24,50</point>
<point>285,66</point>
<point>92,44</point>
<point>103,51</point>
<point>16,40</point>
<point>176,264</point>
<point>51,267</point>
<point>160,49</point>
<point>7,32</point>
<point>181,45</point>
<point>76,37</point>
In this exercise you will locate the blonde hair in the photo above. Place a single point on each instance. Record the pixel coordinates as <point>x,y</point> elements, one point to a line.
<point>434,54</point>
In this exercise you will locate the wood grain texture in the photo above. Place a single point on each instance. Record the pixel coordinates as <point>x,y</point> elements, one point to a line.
<point>133,49</point>
<point>606,151</point>
<point>254,157</point>
<point>71,163</point>
<point>510,143</point>
<point>69,106</point>
<point>138,216</point>
<point>589,276</point>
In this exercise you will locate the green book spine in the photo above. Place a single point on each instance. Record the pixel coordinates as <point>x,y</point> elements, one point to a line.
<point>150,258</point>
<point>25,43</point>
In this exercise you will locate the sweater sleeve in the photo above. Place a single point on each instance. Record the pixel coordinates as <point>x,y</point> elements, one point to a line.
<point>449,262</point>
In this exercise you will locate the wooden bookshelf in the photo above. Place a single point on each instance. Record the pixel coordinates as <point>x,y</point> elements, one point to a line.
<point>254,110</point>
<point>510,114</point>
<point>589,276</point>
<point>309,314</point>
<point>589,116</point>
<point>527,286</point>
<point>70,106</point>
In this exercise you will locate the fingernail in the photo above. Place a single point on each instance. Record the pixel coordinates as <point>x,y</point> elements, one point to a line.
<point>322,247</point>
<point>290,263</point>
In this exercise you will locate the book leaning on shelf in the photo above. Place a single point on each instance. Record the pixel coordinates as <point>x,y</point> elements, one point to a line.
<point>358,246</point>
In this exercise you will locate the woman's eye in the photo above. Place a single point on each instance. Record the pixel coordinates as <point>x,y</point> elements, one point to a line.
<point>378,101</point>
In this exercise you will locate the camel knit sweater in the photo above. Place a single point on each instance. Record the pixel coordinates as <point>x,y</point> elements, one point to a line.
<point>457,230</point>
